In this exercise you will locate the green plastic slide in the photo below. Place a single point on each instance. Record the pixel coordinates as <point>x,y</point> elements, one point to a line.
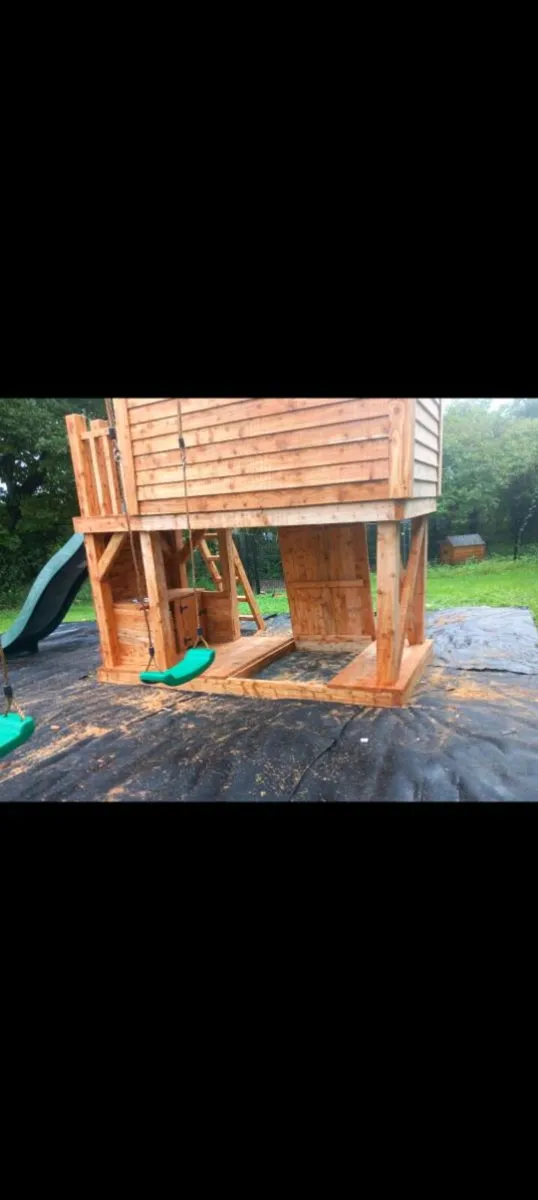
<point>49,598</point>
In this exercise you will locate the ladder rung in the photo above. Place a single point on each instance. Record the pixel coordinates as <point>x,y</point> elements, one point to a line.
<point>242,599</point>
<point>211,536</point>
<point>242,618</point>
<point>212,557</point>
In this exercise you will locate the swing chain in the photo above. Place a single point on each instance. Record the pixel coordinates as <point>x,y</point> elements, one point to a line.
<point>118,461</point>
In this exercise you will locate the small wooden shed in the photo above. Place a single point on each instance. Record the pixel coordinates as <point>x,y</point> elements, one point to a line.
<point>462,547</point>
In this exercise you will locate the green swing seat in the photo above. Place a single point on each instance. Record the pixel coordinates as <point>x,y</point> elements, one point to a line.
<point>14,731</point>
<point>195,662</point>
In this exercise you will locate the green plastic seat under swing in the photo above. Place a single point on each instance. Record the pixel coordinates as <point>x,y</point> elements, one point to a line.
<point>195,662</point>
<point>14,731</point>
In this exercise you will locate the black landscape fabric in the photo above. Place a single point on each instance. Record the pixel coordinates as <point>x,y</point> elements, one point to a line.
<point>471,733</point>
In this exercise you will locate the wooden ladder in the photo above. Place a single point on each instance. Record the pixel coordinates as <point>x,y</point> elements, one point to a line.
<point>247,595</point>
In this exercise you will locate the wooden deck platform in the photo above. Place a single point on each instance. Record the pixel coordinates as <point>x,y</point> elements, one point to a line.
<point>237,663</point>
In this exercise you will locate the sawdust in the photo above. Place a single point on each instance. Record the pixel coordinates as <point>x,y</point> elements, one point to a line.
<point>40,755</point>
<point>112,796</point>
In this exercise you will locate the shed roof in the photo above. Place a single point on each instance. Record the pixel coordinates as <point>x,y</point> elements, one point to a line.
<point>466,539</point>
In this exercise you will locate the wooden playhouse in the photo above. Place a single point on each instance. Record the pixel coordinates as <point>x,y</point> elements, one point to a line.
<point>316,469</point>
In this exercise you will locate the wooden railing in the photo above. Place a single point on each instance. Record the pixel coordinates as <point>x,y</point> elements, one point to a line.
<point>96,473</point>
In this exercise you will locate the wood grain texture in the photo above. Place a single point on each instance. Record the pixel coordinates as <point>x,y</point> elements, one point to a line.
<point>338,433</point>
<point>328,582</point>
<point>416,612</point>
<point>125,446</point>
<point>313,514</point>
<point>102,600</point>
<point>401,447</point>
<point>232,676</point>
<point>82,466</point>
<point>227,554</point>
<point>162,628</point>
<point>388,602</point>
<point>109,555</point>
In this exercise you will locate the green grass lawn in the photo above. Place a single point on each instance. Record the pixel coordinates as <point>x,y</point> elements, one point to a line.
<point>498,581</point>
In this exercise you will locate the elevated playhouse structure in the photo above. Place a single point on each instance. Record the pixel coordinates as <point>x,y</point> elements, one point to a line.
<point>317,470</point>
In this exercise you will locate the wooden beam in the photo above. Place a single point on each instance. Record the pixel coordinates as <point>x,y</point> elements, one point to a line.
<point>103,602</point>
<point>409,581</point>
<point>110,554</point>
<point>159,609</point>
<point>388,602</point>
<point>99,467</point>
<point>87,496</point>
<point>401,447</point>
<point>127,467</point>
<point>182,570</point>
<point>229,581</point>
<point>249,596</point>
<point>416,617</point>
<point>185,552</point>
<point>263,518</point>
<point>209,560</point>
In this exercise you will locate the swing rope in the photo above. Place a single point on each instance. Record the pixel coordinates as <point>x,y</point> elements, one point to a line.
<point>183,450</point>
<point>9,695</point>
<point>140,599</point>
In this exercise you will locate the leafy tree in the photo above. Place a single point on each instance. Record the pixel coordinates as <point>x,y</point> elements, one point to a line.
<point>37,490</point>
<point>524,408</point>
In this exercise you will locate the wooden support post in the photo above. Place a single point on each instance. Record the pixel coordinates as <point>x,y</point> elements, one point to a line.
<point>80,454</point>
<point>367,628</point>
<point>162,628</point>
<point>125,446</point>
<point>183,577</point>
<point>388,602</point>
<point>416,618</point>
<point>102,599</point>
<point>409,580</point>
<point>227,570</point>
<point>401,447</point>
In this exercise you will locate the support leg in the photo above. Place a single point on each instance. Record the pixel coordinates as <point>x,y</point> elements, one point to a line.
<point>388,602</point>
<point>416,620</point>
<point>102,599</point>
<point>227,570</point>
<point>159,609</point>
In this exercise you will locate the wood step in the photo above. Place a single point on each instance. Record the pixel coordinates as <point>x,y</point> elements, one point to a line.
<point>212,557</point>
<point>242,618</point>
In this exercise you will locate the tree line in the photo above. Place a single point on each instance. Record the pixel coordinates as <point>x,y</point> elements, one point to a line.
<point>489,481</point>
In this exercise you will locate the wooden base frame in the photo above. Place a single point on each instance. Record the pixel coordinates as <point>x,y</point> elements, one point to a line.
<point>236,664</point>
<point>328,582</point>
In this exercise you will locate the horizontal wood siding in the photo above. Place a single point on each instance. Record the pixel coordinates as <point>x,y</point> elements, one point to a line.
<point>428,448</point>
<point>246,454</point>
<point>457,554</point>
